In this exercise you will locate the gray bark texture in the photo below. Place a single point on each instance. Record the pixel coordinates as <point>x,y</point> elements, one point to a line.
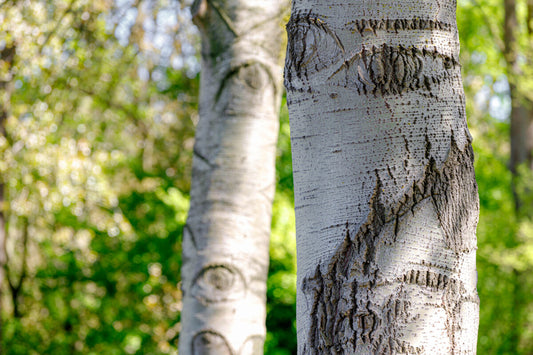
<point>385,193</point>
<point>226,239</point>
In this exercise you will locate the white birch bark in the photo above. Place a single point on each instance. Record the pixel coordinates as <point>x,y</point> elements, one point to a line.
<point>385,195</point>
<point>226,239</point>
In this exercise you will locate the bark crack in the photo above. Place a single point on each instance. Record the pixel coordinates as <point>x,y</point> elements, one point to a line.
<point>203,158</point>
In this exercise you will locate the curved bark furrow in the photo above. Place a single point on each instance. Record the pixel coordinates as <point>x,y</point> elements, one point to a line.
<point>218,283</point>
<point>210,342</point>
<point>313,46</point>
<point>254,74</point>
<point>347,312</point>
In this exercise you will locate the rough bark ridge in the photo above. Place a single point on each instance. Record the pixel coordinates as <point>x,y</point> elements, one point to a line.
<point>226,239</point>
<point>345,306</point>
<point>382,69</point>
<point>385,193</point>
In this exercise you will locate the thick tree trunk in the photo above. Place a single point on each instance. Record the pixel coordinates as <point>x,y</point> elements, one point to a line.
<point>385,195</point>
<point>226,240</point>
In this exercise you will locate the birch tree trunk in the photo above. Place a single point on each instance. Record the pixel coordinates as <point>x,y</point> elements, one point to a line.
<point>226,240</point>
<point>385,195</point>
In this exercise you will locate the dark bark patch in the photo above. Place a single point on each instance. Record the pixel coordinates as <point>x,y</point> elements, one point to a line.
<point>430,279</point>
<point>347,321</point>
<point>312,46</point>
<point>364,26</point>
<point>389,70</point>
<point>218,283</point>
<point>345,315</point>
<point>454,193</point>
<point>379,70</point>
<point>209,342</point>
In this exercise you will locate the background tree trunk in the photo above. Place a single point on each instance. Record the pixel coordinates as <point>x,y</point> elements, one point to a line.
<point>385,195</point>
<point>521,107</point>
<point>225,242</point>
<point>521,139</point>
<point>2,257</point>
<point>7,55</point>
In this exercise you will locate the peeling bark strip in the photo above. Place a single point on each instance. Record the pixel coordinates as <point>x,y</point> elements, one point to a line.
<point>345,315</point>
<point>383,69</point>
<point>385,194</point>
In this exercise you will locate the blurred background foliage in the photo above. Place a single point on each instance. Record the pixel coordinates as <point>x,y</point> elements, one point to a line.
<point>98,104</point>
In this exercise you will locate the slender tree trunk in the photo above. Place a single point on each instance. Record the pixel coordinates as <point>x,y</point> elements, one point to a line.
<point>7,56</point>
<point>385,195</point>
<point>530,18</point>
<point>521,138</point>
<point>226,240</point>
<point>2,258</point>
<point>16,288</point>
<point>521,107</point>
<point>3,233</point>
